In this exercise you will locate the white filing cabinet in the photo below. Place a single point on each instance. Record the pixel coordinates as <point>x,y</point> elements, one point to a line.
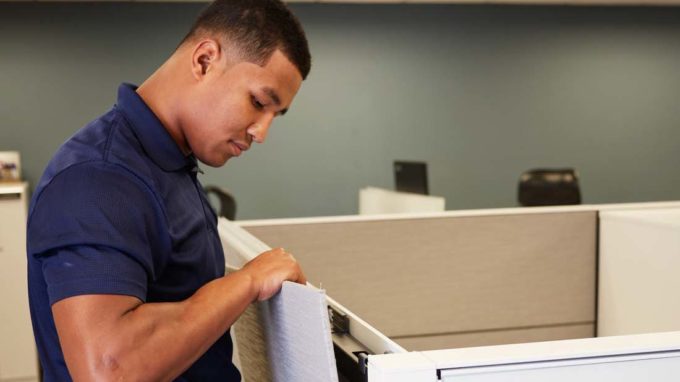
<point>18,359</point>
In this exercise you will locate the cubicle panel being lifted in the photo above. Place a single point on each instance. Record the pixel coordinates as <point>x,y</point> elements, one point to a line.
<point>454,281</point>
<point>289,336</point>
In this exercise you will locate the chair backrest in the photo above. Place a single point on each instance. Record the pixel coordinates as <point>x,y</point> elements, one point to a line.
<point>227,201</point>
<point>549,187</point>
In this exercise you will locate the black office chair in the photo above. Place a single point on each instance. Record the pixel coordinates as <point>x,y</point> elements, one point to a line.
<point>549,187</point>
<point>227,201</point>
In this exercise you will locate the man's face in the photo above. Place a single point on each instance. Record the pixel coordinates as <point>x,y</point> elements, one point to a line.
<point>233,105</point>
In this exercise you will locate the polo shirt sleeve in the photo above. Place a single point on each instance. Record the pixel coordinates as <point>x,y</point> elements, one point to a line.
<point>97,229</point>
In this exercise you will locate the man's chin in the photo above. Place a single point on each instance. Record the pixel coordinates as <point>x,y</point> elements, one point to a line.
<point>215,162</point>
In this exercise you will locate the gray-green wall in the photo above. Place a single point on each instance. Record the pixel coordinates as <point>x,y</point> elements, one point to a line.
<point>481,93</point>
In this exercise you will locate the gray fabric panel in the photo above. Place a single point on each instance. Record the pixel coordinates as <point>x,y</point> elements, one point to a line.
<point>287,338</point>
<point>453,274</point>
<point>452,341</point>
<point>300,345</point>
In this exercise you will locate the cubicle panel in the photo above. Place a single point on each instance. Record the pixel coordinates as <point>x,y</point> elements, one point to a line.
<point>454,275</point>
<point>639,267</point>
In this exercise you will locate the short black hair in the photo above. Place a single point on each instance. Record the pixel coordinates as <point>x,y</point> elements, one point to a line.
<point>258,28</point>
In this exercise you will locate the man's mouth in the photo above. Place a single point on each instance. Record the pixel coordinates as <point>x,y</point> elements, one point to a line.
<point>238,148</point>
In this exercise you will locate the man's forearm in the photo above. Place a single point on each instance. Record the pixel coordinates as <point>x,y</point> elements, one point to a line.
<point>171,347</point>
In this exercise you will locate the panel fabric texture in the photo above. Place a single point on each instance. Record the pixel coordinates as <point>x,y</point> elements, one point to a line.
<point>287,338</point>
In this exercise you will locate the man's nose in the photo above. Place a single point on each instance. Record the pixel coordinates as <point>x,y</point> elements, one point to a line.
<point>258,131</point>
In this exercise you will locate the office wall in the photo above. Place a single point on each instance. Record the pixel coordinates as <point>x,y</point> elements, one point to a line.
<point>481,93</point>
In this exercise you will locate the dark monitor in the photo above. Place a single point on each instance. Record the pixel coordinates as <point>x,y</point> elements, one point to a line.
<point>411,177</point>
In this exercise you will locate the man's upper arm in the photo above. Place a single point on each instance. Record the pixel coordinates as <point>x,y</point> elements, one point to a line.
<point>98,233</point>
<point>85,325</point>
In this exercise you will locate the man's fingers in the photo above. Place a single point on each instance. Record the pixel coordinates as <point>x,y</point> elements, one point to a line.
<point>302,279</point>
<point>272,268</point>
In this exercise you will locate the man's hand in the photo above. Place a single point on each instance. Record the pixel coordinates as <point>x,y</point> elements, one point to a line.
<point>270,269</point>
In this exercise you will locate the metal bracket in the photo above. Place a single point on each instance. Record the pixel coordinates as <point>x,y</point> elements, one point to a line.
<point>339,321</point>
<point>362,356</point>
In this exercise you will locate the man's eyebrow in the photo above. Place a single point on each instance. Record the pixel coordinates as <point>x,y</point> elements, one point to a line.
<point>275,97</point>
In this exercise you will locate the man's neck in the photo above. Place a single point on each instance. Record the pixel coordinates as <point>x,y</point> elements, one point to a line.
<point>160,94</point>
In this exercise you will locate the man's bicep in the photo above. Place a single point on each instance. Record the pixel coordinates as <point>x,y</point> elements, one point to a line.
<point>87,326</point>
<point>78,315</point>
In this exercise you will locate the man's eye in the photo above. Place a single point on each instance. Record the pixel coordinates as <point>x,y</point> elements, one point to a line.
<point>258,105</point>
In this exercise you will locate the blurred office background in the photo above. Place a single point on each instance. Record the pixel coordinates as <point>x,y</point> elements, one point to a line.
<point>479,92</point>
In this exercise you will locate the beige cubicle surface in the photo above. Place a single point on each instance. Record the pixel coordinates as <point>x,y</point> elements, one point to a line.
<point>448,281</point>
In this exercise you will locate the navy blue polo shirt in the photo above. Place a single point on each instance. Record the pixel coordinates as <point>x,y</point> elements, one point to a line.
<point>119,210</point>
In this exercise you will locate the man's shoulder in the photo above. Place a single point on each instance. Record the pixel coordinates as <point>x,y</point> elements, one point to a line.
<point>106,142</point>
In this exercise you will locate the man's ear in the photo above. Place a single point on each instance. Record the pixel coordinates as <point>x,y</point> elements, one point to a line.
<point>205,56</point>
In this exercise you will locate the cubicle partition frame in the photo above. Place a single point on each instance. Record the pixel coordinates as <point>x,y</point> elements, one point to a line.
<point>460,213</point>
<point>435,365</point>
<point>370,339</point>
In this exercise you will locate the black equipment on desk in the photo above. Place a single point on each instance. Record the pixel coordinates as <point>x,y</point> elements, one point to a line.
<point>549,187</point>
<point>411,177</point>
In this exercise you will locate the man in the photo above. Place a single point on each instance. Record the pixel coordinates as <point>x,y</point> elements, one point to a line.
<point>126,270</point>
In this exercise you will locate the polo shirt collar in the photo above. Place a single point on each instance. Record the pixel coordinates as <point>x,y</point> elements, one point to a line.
<point>153,136</point>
